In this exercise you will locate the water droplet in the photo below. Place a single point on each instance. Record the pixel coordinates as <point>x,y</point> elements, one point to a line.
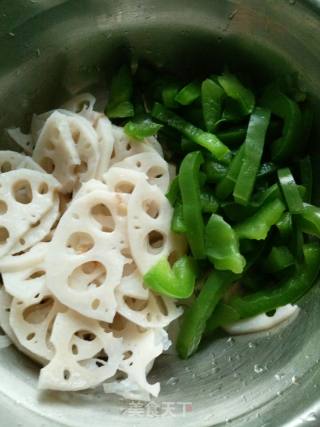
<point>251,345</point>
<point>292,2</point>
<point>307,356</point>
<point>233,14</point>
<point>258,369</point>
<point>11,34</point>
<point>294,380</point>
<point>173,381</point>
<point>229,359</point>
<point>38,52</point>
<point>193,375</point>
<point>279,377</point>
<point>235,375</point>
<point>243,397</point>
<point>279,393</point>
<point>230,340</point>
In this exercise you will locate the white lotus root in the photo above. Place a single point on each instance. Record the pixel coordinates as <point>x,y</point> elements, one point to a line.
<point>262,322</point>
<point>25,197</point>
<point>67,148</point>
<point>152,165</point>
<point>84,262</point>
<point>71,370</point>
<point>141,348</point>
<point>149,220</point>
<point>81,222</point>
<point>125,147</point>
<point>31,322</point>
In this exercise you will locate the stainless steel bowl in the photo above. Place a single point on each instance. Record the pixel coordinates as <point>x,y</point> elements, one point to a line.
<point>51,49</point>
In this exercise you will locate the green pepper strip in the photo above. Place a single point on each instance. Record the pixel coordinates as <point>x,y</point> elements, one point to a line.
<point>205,139</point>
<point>289,292</point>
<point>191,204</point>
<point>208,202</point>
<point>189,93</point>
<point>177,224</point>
<point>285,226</point>
<point>278,259</point>
<point>215,171</point>
<point>290,191</point>
<point>141,129</point>
<point>252,155</point>
<point>232,137</point>
<point>258,225</point>
<point>287,145</point>
<point>119,104</point>
<point>306,177</point>
<point>243,97</point>
<point>211,97</point>
<point>195,317</point>
<point>169,93</point>
<point>175,282</point>
<point>222,245</point>
<point>309,220</point>
<point>174,191</point>
<point>225,187</point>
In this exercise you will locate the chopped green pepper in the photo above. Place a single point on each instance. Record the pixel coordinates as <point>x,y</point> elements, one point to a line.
<point>309,220</point>
<point>195,318</point>
<point>177,223</point>
<point>287,145</point>
<point>290,191</point>
<point>205,139</point>
<point>119,103</point>
<point>258,225</point>
<point>211,97</point>
<point>191,204</point>
<point>225,187</point>
<point>278,259</point>
<point>287,293</point>
<point>252,155</point>
<point>243,98</point>
<point>175,282</point>
<point>222,245</point>
<point>215,171</point>
<point>141,129</point>
<point>188,93</point>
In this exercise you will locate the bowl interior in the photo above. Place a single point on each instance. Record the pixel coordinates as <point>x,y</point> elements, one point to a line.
<point>52,50</point>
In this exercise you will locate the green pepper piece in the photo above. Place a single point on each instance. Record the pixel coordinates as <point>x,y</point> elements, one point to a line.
<point>175,282</point>
<point>306,177</point>
<point>195,317</point>
<point>188,94</point>
<point>191,204</point>
<point>209,203</point>
<point>242,97</point>
<point>252,155</point>
<point>177,224</point>
<point>288,292</point>
<point>222,245</point>
<point>174,191</point>
<point>278,259</point>
<point>309,220</point>
<point>205,139</point>
<point>232,137</point>
<point>285,226</point>
<point>225,187</point>
<point>258,225</point>
<point>224,314</point>
<point>169,93</point>
<point>187,145</point>
<point>215,171</point>
<point>211,97</point>
<point>141,129</point>
<point>290,191</point>
<point>287,145</point>
<point>119,104</point>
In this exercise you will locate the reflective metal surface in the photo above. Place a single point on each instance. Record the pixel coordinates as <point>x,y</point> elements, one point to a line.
<point>51,49</point>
